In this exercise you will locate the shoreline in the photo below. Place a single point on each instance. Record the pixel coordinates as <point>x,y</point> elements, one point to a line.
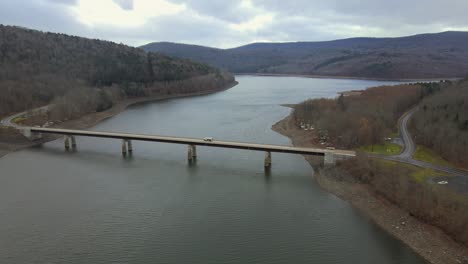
<point>347,77</point>
<point>92,119</point>
<point>428,241</point>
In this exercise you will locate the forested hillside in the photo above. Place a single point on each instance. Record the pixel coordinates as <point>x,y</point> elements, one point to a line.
<point>360,118</point>
<point>442,123</point>
<point>441,55</point>
<point>37,68</point>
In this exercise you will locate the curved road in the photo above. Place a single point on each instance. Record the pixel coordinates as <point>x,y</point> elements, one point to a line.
<point>8,121</point>
<point>406,156</point>
<point>409,147</point>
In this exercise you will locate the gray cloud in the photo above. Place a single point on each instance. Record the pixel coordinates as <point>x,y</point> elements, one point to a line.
<point>50,15</point>
<point>66,2</point>
<point>375,12</point>
<point>236,22</point>
<point>231,11</point>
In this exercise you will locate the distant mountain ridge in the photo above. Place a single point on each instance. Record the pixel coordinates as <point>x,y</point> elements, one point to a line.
<point>438,55</point>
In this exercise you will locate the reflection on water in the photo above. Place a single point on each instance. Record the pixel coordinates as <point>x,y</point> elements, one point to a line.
<point>94,206</point>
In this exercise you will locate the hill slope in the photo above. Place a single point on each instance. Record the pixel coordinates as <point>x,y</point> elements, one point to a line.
<point>37,68</point>
<point>440,55</point>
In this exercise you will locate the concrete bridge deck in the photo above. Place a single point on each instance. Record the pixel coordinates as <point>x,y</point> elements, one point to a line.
<point>331,155</point>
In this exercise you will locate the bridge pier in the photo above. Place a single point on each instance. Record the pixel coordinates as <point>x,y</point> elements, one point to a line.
<point>67,142</point>
<point>192,153</point>
<point>73,142</point>
<point>124,147</point>
<point>267,160</point>
<point>129,146</point>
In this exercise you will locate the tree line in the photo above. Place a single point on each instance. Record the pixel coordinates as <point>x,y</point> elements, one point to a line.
<point>441,123</point>
<point>84,100</point>
<point>361,117</point>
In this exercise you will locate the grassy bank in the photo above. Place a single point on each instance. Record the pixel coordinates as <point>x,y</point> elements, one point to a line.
<point>421,175</point>
<point>425,154</point>
<point>382,149</point>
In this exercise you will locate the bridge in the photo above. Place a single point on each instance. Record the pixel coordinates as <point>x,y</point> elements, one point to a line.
<point>330,156</point>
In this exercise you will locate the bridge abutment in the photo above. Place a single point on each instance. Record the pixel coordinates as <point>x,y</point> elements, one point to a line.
<point>329,159</point>
<point>30,135</point>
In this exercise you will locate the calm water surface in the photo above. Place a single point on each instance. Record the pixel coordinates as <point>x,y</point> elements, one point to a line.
<point>93,206</point>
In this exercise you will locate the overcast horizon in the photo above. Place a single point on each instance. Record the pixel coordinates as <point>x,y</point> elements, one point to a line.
<point>235,23</point>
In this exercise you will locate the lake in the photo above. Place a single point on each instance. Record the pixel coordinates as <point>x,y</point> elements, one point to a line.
<point>93,206</point>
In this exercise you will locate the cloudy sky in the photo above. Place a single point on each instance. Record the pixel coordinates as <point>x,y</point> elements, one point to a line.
<point>231,23</point>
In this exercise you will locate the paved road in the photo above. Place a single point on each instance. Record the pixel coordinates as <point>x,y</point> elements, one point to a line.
<point>406,156</point>
<point>423,164</point>
<point>8,121</point>
<point>409,146</point>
